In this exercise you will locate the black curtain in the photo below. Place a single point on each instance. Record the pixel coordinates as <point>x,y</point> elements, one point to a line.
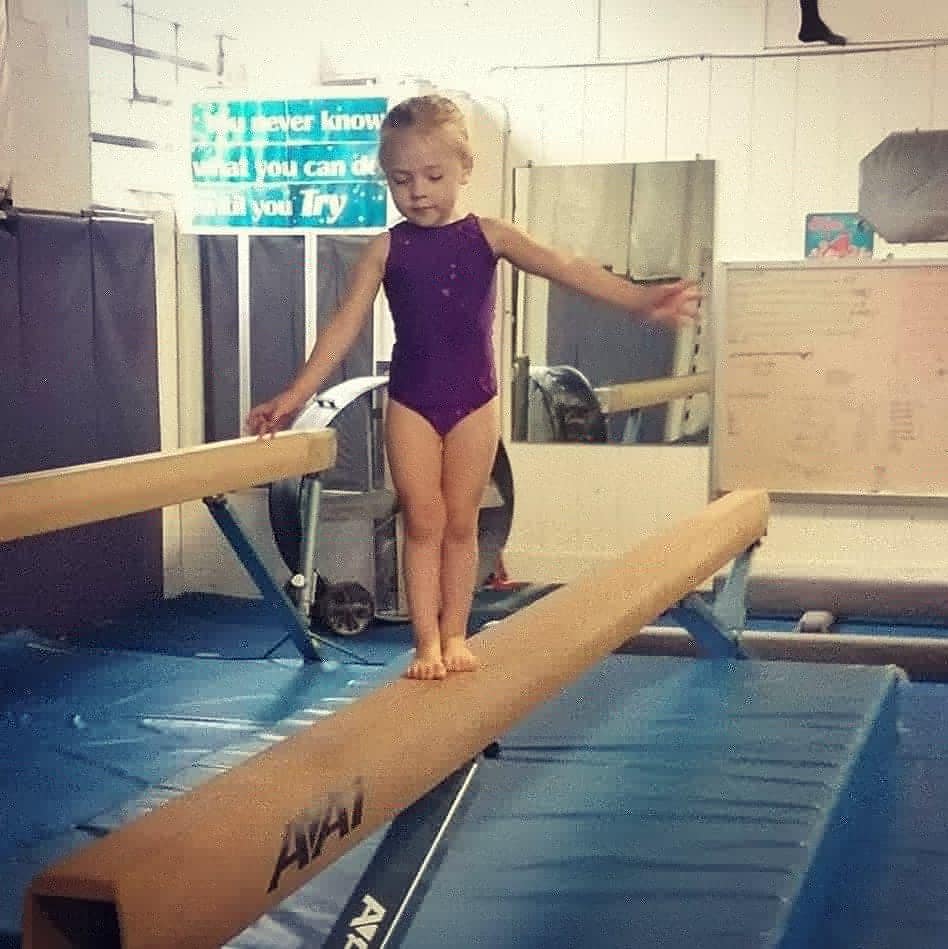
<point>78,364</point>
<point>126,338</point>
<point>58,340</point>
<point>277,313</point>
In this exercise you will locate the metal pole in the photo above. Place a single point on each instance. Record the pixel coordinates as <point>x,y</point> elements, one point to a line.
<point>305,581</point>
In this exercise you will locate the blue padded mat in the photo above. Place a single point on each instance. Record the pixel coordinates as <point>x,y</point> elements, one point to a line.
<point>106,723</point>
<point>666,803</point>
<point>900,903</point>
<point>225,627</point>
<point>93,736</point>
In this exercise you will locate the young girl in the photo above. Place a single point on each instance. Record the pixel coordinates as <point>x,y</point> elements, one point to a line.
<point>441,427</point>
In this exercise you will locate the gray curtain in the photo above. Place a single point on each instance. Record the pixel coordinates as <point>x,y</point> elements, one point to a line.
<point>277,319</point>
<point>277,313</point>
<point>609,349</point>
<point>221,366</point>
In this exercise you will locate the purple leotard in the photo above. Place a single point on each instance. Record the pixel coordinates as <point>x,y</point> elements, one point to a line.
<point>439,282</point>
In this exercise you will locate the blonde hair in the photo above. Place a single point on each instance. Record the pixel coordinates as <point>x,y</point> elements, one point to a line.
<point>425,114</point>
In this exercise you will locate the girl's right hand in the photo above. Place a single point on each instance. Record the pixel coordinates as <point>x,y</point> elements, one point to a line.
<point>274,415</point>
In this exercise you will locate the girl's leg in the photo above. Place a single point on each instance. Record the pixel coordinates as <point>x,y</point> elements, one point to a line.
<point>469,451</point>
<point>812,27</point>
<point>414,455</point>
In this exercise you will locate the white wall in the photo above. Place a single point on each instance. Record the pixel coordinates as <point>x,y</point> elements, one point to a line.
<point>786,129</point>
<point>633,80</point>
<point>786,125</point>
<point>44,105</point>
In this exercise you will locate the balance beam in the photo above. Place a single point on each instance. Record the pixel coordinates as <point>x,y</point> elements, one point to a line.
<point>921,658</point>
<point>201,868</point>
<point>640,395</point>
<point>43,501</point>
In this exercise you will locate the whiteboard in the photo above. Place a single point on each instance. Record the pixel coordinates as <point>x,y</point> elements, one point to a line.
<point>831,377</point>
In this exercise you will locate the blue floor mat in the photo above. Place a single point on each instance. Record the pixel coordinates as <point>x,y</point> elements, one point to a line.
<point>95,728</point>
<point>225,627</point>
<point>104,723</point>
<point>93,736</point>
<point>221,627</point>
<point>904,856</point>
<point>667,803</point>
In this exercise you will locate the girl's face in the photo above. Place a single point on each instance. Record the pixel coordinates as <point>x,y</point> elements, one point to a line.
<point>425,175</point>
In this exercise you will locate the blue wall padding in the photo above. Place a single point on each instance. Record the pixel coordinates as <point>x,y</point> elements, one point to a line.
<point>78,363</point>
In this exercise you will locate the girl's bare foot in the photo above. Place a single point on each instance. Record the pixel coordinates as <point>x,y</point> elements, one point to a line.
<point>457,656</point>
<point>427,664</point>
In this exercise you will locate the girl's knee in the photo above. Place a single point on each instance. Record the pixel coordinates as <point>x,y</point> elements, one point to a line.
<point>461,526</point>
<point>425,522</point>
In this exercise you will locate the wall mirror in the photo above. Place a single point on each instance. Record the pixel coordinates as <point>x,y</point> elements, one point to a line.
<point>586,372</point>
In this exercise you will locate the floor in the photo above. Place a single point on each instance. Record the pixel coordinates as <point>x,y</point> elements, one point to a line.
<point>559,837</point>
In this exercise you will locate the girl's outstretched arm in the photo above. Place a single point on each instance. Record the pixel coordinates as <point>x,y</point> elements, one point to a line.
<point>332,344</point>
<point>675,304</point>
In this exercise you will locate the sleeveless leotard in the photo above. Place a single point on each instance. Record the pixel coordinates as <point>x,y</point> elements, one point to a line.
<point>439,282</point>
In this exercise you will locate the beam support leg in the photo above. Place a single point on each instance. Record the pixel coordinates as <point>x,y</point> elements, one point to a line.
<point>290,614</point>
<point>717,629</point>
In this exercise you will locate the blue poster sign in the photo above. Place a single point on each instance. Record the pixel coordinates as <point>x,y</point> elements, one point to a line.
<point>287,163</point>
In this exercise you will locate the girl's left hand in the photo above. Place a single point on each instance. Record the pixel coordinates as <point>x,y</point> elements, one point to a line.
<point>675,304</point>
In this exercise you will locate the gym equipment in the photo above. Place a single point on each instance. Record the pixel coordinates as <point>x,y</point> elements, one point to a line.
<point>43,501</point>
<point>227,851</point>
<point>639,395</point>
<point>903,186</point>
<point>562,407</point>
<point>357,566</point>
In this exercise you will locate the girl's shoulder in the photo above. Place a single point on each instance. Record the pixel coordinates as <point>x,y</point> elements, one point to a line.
<point>380,240</point>
<point>375,252</point>
<point>490,225</point>
<point>377,247</point>
<point>498,233</point>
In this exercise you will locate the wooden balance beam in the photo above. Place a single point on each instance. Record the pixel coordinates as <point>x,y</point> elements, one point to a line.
<point>45,501</point>
<point>641,395</point>
<point>201,868</point>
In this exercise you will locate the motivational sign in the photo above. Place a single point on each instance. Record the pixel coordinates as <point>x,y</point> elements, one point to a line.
<point>287,163</point>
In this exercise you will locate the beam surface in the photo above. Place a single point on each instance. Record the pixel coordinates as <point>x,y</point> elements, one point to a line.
<point>640,395</point>
<point>201,868</point>
<point>50,500</point>
<point>922,658</point>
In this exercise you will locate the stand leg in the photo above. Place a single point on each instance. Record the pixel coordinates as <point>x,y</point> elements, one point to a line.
<point>304,583</point>
<point>717,629</point>
<point>384,895</point>
<point>296,625</point>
